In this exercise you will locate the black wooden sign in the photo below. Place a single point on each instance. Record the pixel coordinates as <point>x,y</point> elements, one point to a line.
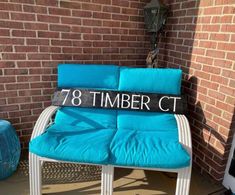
<point>89,98</point>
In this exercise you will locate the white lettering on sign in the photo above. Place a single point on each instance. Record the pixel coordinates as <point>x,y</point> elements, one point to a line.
<point>167,97</point>
<point>145,103</point>
<point>160,103</point>
<point>76,96</point>
<point>94,96</point>
<point>175,98</point>
<point>134,101</point>
<point>108,99</point>
<point>67,91</point>
<point>122,100</point>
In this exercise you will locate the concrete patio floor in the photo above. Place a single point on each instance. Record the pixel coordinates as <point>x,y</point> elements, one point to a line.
<point>70,179</point>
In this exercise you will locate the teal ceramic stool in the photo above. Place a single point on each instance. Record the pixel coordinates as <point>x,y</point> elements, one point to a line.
<point>9,149</point>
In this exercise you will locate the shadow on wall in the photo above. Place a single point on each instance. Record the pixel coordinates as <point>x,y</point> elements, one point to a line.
<point>177,50</point>
<point>204,135</point>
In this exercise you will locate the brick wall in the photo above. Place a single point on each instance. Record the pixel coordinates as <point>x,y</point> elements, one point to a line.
<point>200,39</point>
<point>36,35</point>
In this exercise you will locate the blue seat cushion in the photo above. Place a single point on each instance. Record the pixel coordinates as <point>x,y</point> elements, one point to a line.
<point>156,149</point>
<point>87,76</point>
<point>87,117</point>
<point>69,143</point>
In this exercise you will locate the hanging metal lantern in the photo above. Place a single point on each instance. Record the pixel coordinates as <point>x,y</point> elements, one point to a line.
<point>155,14</point>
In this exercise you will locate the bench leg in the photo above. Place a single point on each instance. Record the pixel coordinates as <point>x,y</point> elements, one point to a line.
<point>107,180</point>
<point>183,181</point>
<point>35,175</point>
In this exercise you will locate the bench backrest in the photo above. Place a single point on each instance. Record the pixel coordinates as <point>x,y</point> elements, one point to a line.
<point>162,81</point>
<point>87,76</point>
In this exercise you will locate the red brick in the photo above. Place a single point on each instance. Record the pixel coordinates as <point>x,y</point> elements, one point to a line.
<point>138,5</point>
<point>91,7</point>
<point>228,28</point>
<point>11,24</point>
<point>23,33</point>
<point>128,11</point>
<point>72,21</point>
<point>35,9</point>
<point>231,56</point>
<point>121,3</point>
<point>37,42</point>
<point>204,60</point>
<point>60,28</point>
<point>111,37</point>
<point>101,44</point>
<point>28,78</point>
<point>46,34</point>
<point>213,10</point>
<point>4,15</point>
<point>222,63</point>
<point>90,22</point>
<point>18,100</point>
<point>60,11</point>
<point>47,2</point>
<point>222,19</point>
<point>101,15</point>
<point>91,37</point>
<point>16,86</point>
<point>21,16</point>
<point>227,90</point>
<point>102,30</point>
<point>207,44</point>
<point>229,9</point>
<point>71,5</point>
<point>215,53</point>
<point>211,28</point>
<point>111,9</point>
<point>9,108</point>
<point>10,7</point>
<point>82,13</point>
<point>28,64</point>
<point>226,46</point>
<point>48,18</point>
<point>111,23</point>
<point>36,26</point>
<point>38,56</point>
<point>219,37</point>
<point>40,71</point>
<point>13,56</point>
<point>102,1</point>
<point>61,57</point>
<point>61,42</point>
<point>120,17</point>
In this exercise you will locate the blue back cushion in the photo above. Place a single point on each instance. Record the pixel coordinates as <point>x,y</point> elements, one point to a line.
<point>162,81</point>
<point>87,76</point>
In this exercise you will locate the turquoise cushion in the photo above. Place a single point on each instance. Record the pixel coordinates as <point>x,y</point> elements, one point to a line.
<point>165,81</point>
<point>87,76</point>
<point>148,139</point>
<point>158,149</point>
<point>69,143</point>
<point>146,121</point>
<point>90,118</point>
<point>152,80</point>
